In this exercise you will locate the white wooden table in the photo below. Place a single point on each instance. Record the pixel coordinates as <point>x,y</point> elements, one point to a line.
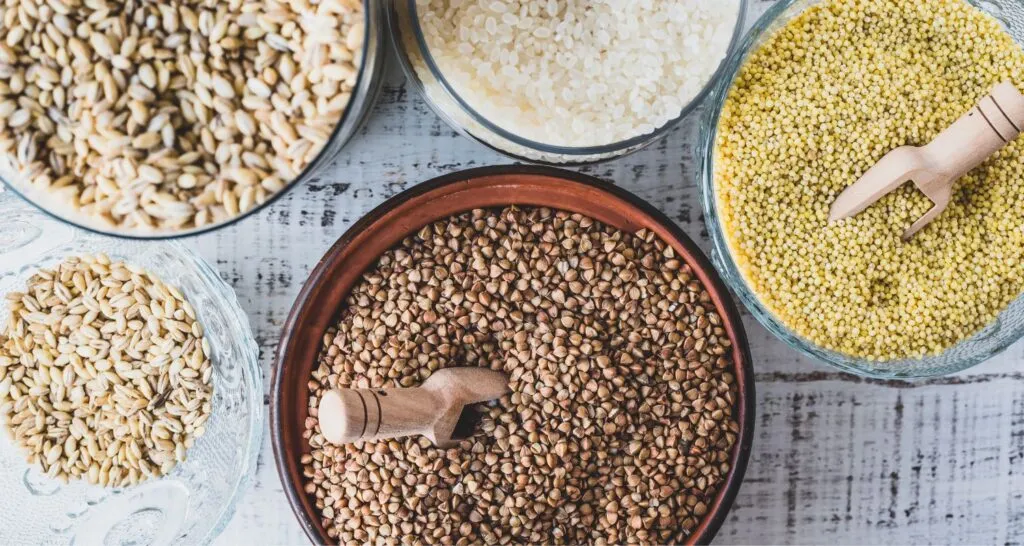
<point>837,459</point>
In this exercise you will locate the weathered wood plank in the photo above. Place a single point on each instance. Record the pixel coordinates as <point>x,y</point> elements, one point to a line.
<point>872,464</point>
<point>836,458</point>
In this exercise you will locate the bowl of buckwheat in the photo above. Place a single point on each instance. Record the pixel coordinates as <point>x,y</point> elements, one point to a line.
<point>628,415</point>
<point>130,389</point>
<point>149,120</point>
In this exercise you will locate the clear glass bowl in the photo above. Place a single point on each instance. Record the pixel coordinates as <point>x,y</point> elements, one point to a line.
<point>193,503</point>
<point>367,89</point>
<point>1008,326</point>
<point>423,73</point>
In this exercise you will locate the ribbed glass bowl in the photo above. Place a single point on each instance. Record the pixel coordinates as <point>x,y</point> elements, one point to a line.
<point>1008,326</point>
<point>364,95</point>
<point>193,503</point>
<point>423,73</point>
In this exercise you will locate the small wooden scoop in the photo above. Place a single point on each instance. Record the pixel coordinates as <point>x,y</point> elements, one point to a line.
<point>995,122</point>
<point>433,410</point>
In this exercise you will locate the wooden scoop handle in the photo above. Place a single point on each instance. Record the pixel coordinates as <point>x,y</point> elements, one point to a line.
<point>351,415</point>
<point>995,122</point>
<point>431,410</point>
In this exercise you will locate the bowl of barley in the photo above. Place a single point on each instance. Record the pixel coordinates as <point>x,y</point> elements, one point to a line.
<point>639,434</point>
<point>152,121</point>
<point>131,398</point>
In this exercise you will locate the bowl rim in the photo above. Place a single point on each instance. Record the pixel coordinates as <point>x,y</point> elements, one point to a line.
<point>702,267</point>
<point>364,96</point>
<point>722,255</point>
<point>610,151</point>
<point>257,425</point>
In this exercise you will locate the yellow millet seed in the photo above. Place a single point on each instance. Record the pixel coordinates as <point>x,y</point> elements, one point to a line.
<point>818,104</point>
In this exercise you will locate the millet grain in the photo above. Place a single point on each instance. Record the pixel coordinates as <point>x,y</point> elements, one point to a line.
<point>820,102</point>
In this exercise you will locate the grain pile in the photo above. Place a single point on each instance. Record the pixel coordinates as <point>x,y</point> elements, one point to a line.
<point>620,425</point>
<point>571,73</point>
<point>104,373</point>
<point>818,104</point>
<point>150,116</point>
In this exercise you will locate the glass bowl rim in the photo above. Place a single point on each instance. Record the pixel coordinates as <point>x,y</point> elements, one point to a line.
<point>257,425</point>
<point>724,260</point>
<point>615,148</point>
<point>366,81</point>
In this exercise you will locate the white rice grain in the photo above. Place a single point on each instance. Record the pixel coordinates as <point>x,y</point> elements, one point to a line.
<point>578,73</point>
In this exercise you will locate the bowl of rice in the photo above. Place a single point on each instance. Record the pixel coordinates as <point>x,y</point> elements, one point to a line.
<point>560,82</point>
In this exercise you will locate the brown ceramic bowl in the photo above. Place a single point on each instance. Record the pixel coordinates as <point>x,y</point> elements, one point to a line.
<point>358,249</point>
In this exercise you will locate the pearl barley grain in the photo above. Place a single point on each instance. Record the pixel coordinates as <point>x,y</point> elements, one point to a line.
<point>105,374</point>
<point>133,114</point>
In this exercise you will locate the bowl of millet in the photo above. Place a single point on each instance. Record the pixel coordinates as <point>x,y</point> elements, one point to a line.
<point>630,413</point>
<point>817,94</point>
<point>148,120</point>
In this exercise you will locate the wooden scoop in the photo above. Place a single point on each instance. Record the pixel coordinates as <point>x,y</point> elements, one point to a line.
<point>995,122</point>
<point>432,410</point>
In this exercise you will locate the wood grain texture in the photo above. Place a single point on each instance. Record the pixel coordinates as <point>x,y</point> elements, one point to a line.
<point>836,459</point>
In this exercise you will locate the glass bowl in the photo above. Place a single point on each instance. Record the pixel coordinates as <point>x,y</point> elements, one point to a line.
<point>193,503</point>
<point>994,338</point>
<point>423,73</point>
<point>364,95</point>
